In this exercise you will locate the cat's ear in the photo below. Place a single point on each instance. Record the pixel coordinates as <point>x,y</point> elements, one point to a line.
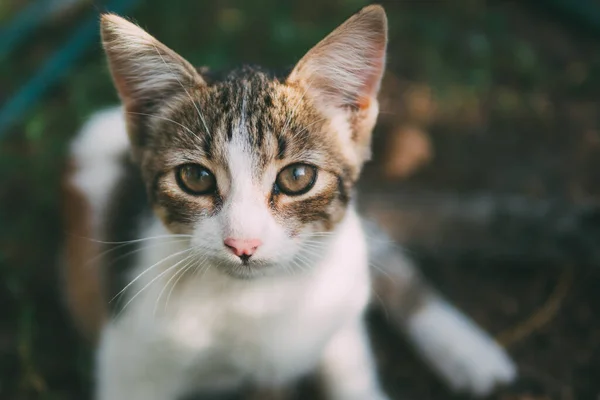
<point>143,69</point>
<point>344,70</point>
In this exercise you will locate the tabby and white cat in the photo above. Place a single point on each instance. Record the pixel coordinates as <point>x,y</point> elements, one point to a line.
<point>250,263</point>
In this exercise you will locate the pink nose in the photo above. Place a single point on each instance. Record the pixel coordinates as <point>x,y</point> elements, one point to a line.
<point>242,248</point>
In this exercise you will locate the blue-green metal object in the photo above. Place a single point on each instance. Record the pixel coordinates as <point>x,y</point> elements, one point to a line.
<point>23,24</point>
<point>57,67</point>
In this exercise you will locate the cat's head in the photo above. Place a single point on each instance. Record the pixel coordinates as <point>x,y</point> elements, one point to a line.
<point>258,169</point>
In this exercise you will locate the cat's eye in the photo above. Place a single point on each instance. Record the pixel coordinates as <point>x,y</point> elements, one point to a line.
<point>195,179</point>
<point>296,179</point>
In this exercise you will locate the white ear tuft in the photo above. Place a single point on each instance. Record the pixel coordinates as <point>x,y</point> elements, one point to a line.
<point>345,68</point>
<point>143,69</point>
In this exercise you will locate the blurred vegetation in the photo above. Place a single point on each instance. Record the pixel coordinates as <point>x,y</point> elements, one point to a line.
<point>489,70</point>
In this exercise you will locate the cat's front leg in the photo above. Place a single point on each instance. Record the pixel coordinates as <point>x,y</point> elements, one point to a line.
<point>462,353</point>
<point>348,369</point>
<point>127,369</point>
<point>458,349</point>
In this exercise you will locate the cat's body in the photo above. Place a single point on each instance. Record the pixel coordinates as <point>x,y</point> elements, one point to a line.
<point>215,333</point>
<point>212,331</point>
<point>250,263</point>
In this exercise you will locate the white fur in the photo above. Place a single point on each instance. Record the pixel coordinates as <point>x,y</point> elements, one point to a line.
<point>465,356</point>
<point>221,331</point>
<point>342,362</point>
<point>245,215</point>
<point>95,153</point>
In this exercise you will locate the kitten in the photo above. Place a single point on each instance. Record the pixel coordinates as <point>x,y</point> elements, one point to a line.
<point>250,263</point>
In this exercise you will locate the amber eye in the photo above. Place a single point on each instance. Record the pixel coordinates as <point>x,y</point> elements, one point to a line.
<point>296,179</point>
<point>195,179</point>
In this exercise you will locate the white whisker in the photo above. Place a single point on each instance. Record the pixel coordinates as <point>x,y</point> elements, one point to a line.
<point>165,119</point>
<point>138,240</point>
<point>154,280</point>
<point>121,256</point>
<point>380,269</point>
<point>149,269</point>
<point>180,270</point>
<point>301,131</point>
<point>192,265</point>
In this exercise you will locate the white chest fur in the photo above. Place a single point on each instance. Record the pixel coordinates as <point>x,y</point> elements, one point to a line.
<point>219,331</point>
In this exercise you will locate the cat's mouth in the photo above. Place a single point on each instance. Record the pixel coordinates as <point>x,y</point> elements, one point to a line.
<point>247,268</point>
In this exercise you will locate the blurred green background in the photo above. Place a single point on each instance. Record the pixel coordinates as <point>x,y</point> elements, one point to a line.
<point>486,168</point>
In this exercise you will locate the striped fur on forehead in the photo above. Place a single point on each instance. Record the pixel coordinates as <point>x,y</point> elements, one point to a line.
<point>276,121</point>
<point>279,126</point>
